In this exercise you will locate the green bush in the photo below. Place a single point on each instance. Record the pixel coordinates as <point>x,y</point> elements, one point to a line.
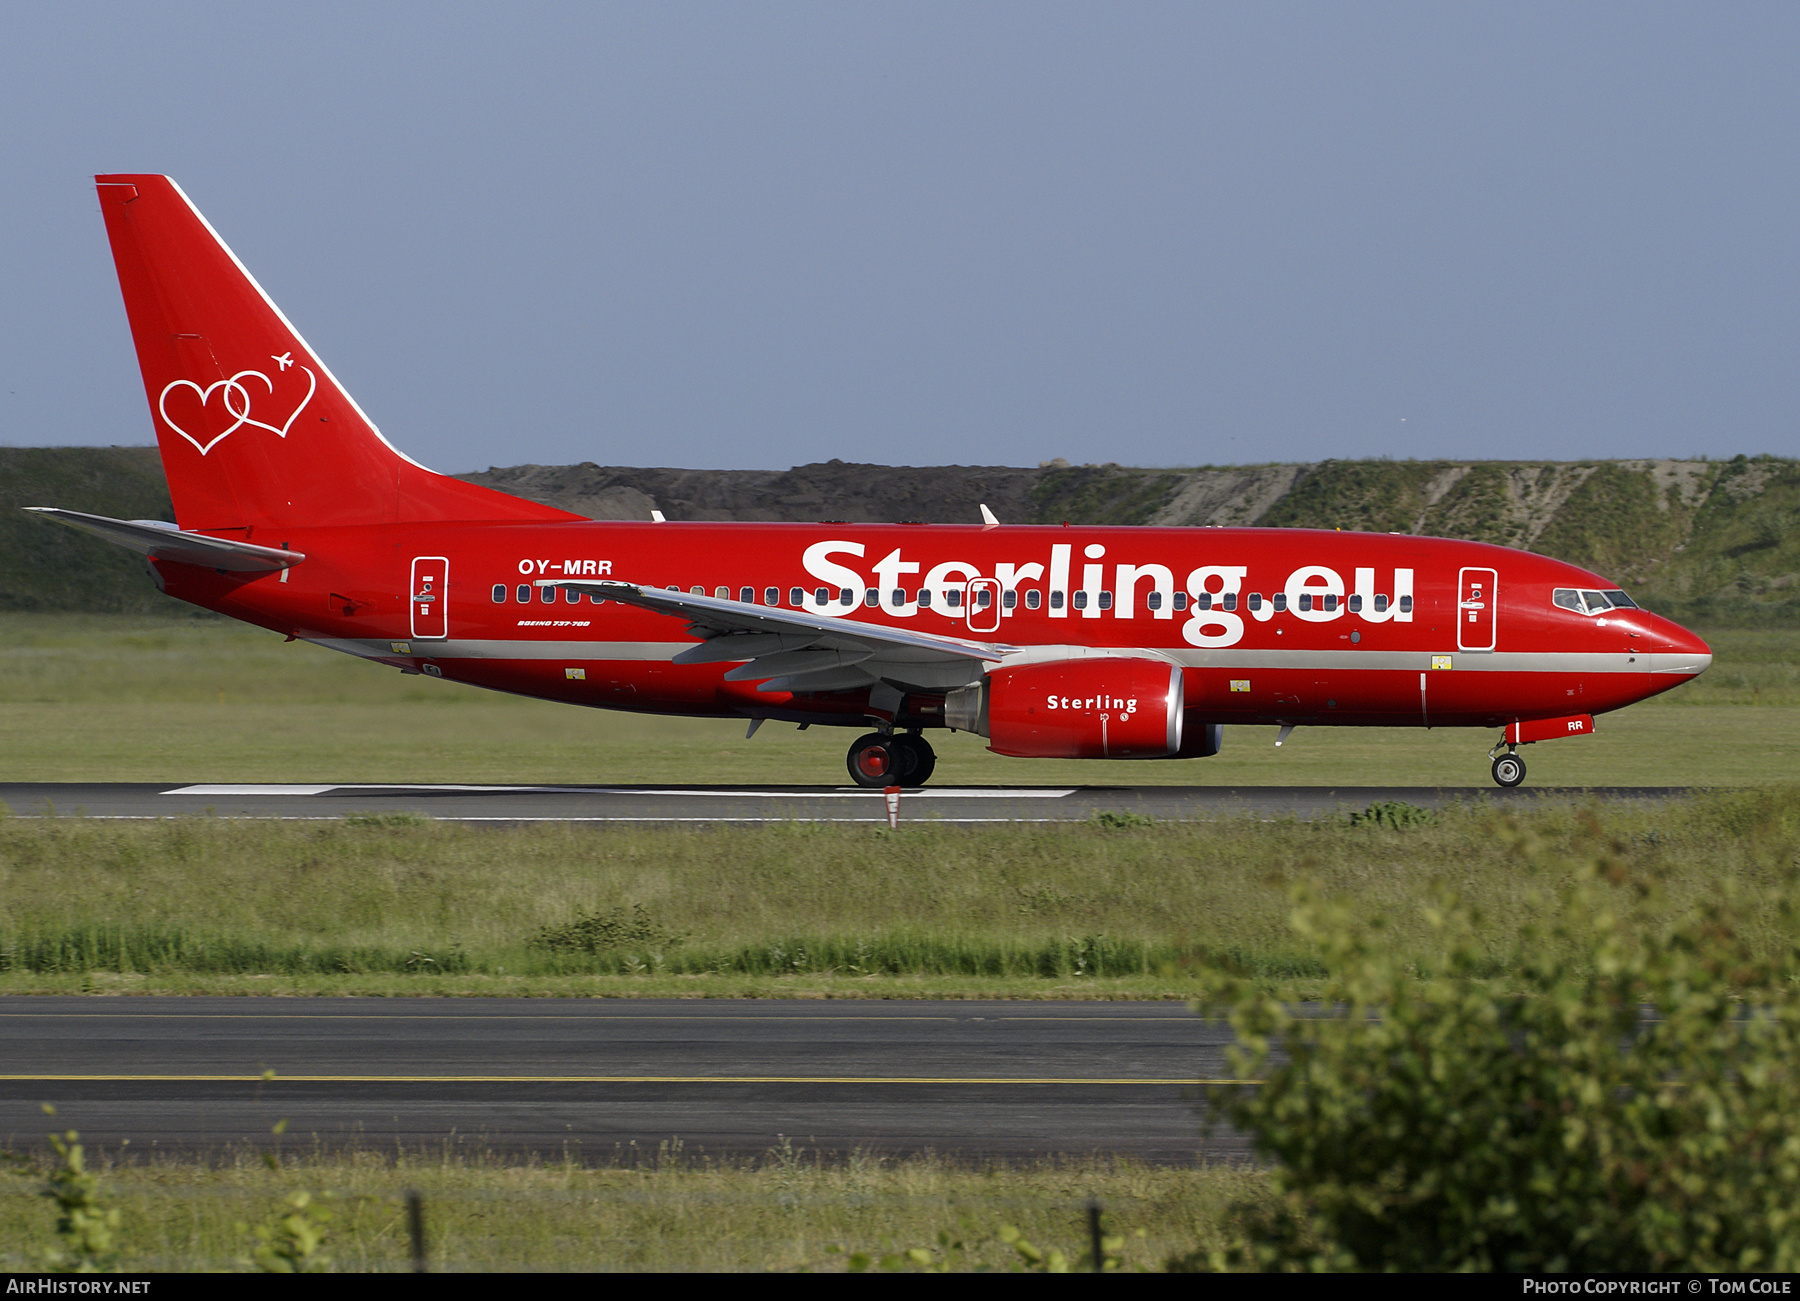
<point>1629,1101</point>
<point>598,932</point>
<point>1397,815</point>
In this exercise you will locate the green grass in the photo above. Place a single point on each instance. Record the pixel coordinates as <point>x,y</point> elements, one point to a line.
<point>116,698</point>
<point>49,566</point>
<point>666,1210</point>
<point>816,910</point>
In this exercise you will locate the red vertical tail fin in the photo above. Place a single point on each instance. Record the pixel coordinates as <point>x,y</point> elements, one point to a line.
<point>254,430</point>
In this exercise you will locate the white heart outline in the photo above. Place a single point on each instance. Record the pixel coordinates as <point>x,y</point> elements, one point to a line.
<point>242,415</point>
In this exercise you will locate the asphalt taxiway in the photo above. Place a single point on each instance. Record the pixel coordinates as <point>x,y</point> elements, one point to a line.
<point>605,1080</point>
<point>748,803</point>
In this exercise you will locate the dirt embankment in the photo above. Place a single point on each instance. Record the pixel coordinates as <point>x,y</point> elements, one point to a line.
<point>1709,541</point>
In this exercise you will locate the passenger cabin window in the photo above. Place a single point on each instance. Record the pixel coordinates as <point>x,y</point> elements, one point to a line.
<point>547,595</point>
<point>594,598</point>
<point>524,593</point>
<point>571,596</point>
<point>1010,600</point>
<point>1180,601</point>
<point>872,597</point>
<point>1381,605</point>
<point>1254,601</point>
<point>1406,605</point>
<point>821,596</point>
<point>1080,600</point>
<point>953,598</point>
<point>747,595</point>
<point>924,598</point>
<point>984,598</point>
<point>1330,602</point>
<point>771,596</point>
<point>722,593</point>
<point>898,596</point>
<point>499,593</point>
<point>796,596</point>
<point>1279,601</point>
<point>1203,601</point>
<point>846,596</point>
<point>1056,600</point>
<point>697,590</point>
<point>1355,604</point>
<point>1153,601</point>
<point>1106,600</point>
<point>1033,599</point>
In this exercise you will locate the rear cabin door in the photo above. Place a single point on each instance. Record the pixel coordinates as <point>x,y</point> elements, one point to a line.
<point>1476,609</point>
<point>430,592</point>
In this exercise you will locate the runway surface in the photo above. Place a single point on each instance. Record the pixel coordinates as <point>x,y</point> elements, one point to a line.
<point>749,803</point>
<point>612,1079</point>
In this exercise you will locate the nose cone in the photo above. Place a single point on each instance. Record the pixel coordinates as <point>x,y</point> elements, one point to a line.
<point>1676,651</point>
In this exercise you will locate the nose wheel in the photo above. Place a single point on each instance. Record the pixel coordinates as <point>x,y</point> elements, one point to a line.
<point>1509,770</point>
<point>877,760</point>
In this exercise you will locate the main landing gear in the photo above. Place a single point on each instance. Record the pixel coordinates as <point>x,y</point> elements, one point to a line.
<point>1509,769</point>
<point>893,760</point>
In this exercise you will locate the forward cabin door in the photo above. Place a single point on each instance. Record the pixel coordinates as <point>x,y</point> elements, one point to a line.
<point>1476,609</point>
<point>430,593</point>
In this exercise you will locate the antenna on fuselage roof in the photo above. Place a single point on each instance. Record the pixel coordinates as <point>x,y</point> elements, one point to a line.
<point>987,518</point>
<point>656,517</point>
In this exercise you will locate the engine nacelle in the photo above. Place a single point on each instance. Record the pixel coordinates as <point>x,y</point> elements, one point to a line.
<point>1075,709</point>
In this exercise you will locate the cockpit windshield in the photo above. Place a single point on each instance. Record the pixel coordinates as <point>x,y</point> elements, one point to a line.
<point>1585,601</point>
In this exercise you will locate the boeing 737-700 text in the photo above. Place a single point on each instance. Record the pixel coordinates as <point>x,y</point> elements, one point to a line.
<point>294,513</point>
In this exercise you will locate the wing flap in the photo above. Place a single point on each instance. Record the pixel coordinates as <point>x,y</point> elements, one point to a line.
<point>801,650</point>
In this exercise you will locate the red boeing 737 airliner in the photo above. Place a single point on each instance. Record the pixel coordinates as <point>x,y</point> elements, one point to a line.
<point>295,514</point>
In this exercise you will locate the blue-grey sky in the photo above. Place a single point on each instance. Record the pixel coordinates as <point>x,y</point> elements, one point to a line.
<point>756,235</point>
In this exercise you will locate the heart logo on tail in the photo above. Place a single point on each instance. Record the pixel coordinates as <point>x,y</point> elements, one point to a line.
<point>236,398</point>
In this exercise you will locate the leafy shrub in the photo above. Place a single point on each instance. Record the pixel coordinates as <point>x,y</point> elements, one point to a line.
<point>1396,815</point>
<point>292,1241</point>
<point>597,932</point>
<point>84,1223</point>
<point>1113,821</point>
<point>1629,1104</point>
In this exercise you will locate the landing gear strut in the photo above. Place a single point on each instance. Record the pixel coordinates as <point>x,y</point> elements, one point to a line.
<point>896,760</point>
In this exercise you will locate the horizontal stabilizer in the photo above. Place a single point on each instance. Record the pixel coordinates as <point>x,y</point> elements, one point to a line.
<point>160,541</point>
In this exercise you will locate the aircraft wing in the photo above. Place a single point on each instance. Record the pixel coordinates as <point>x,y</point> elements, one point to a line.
<point>794,650</point>
<point>160,541</point>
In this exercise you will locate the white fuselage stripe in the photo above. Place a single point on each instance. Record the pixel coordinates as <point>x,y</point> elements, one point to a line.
<point>247,790</point>
<point>1236,658</point>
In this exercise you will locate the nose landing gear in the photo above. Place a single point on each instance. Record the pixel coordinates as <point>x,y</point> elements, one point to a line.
<point>895,760</point>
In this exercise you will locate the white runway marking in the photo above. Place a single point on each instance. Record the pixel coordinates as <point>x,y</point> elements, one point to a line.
<point>247,790</point>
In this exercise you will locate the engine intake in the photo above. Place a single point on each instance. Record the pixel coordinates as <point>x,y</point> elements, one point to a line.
<point>1075,709</point>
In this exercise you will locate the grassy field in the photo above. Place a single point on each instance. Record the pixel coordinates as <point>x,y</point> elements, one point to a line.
<point>381,905</point>
<point>375,905</point>
<point>665,1212</point>
<point>123,698</point>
